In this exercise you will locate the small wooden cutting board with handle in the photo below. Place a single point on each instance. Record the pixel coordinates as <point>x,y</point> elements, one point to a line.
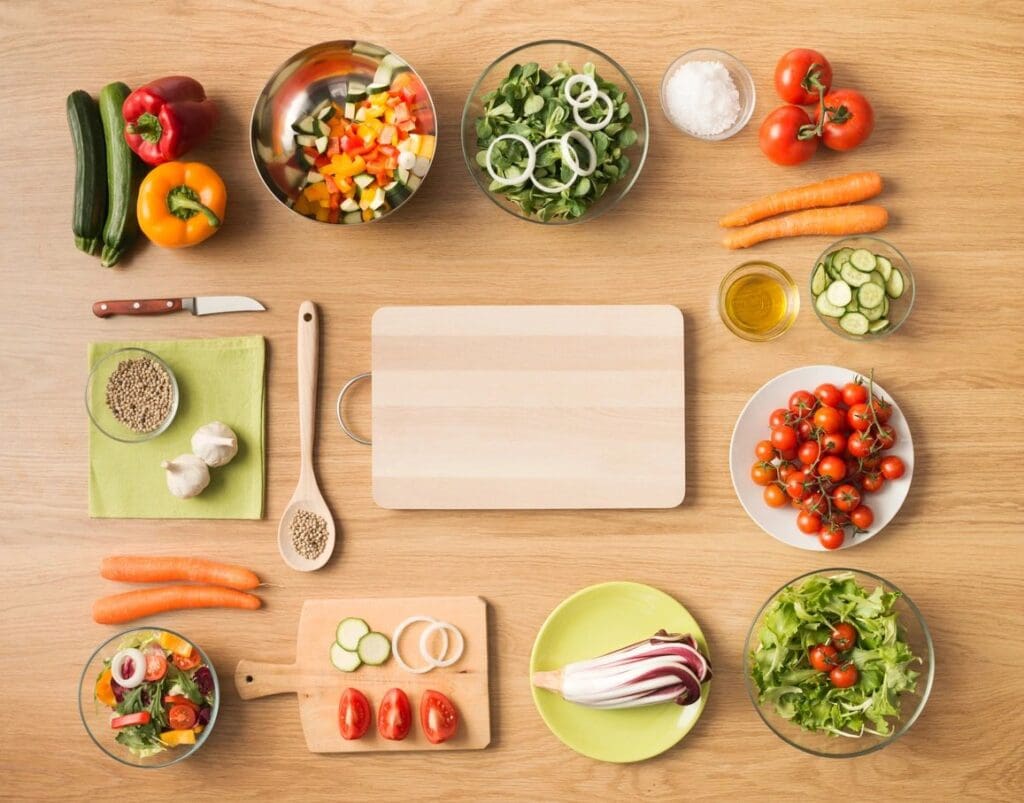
<point>319,685</point>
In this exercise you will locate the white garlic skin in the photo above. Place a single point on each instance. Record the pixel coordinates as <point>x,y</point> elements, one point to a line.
<point>215,444</point>
<point>187,475</point>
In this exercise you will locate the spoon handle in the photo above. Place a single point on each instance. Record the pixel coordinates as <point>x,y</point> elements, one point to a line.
<point>308,355</point>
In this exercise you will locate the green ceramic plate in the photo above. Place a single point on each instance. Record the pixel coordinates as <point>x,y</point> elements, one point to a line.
<point>594,621</point>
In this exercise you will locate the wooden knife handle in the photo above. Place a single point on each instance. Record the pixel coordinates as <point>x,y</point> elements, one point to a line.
<point>143,306</point>
<point>254,679</point>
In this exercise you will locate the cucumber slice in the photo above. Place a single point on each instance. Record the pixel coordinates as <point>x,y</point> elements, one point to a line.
<point>878,325</point>
<point>839,293</point>
<point>350,631</point>
<point>819,279</point>
<point>870,295</point>
<point>350,205</point>
<point>326,114</point>
<point>827,308</point>
<point>314,177</point>
<point>382,77</point>
<point>374,649</point>
<point>853,306</point>
<point>854,323</point>
<point>885,306</point>
<point>844,254</point>
<point>364,180</point>
<point>852,276</point>
<point>321,129</point>
<point>344,660</point>
<point>894,287</point>
<point>304,126</point>
<point>876,278</point>
<point>873,313</point>
<point>862,259</point>
<point>883,266</point>
<point>321,144</point>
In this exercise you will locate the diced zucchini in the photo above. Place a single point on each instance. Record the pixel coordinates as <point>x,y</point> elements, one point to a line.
<point>378,86</point>
<point>403,175</point>
<point>321,144</point>
<point>350,111</point>
<point>304,126</point>
<point>360,115</point>
<point>826,308</point>
<point>894,287</point>
<point>818,279</point>
<point>326,114</point>
<point>870,295</point>
<point>394,62</point>
<point>355,93</point>
<point>382,77</point>
<point>854,323</point>
<point>350,205</point>
<point>321,129</point>
<point>314,177</point>
<point>414,182</point>
<point>883,266</point>
<point>303,161</point>
<point>878,325</point>
<point>378,199</point>
<point>306,140</point>
<point>421,167</point>
<point>353,217</point>
<point>839,294</point>
<point>374,649</point>
<point>363,180</point>
<point>862,259</point>
<point>852,276</point>
<point>323,104</point>
<point>344,660</point>
<point>397,193</point>
<point>367,49</point>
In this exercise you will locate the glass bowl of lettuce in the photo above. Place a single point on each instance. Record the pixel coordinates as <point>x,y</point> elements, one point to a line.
<point>865,693</point>
<point>179,678</point>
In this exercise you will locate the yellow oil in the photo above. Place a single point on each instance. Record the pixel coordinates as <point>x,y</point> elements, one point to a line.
<point>756,303</point>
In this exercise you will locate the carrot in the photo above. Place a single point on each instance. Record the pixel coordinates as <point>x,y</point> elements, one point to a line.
<point>118,608</point>
<point>139,569</point>
<point>834,192</point>
<point>837,222</point>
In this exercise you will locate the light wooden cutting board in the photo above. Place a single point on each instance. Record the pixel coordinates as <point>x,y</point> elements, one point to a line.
<point>528,407</point>
<point>319,685</point>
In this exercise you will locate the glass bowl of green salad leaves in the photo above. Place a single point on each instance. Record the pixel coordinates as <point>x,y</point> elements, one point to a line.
<point>839,663</point>
<point>555,132</point>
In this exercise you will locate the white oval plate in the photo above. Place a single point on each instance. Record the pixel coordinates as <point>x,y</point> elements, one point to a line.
<point>752,426</point>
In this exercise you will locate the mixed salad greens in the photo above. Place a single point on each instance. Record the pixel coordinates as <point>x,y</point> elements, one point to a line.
<point>159,692</point>
<point>818,637</point>
<point>553,142</point>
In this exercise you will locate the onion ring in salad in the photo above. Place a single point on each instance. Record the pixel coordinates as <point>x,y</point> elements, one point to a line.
<point>531,161</point>
<point>553,188</point>
<point>585,98</point>
<point>594,126</point>
<point>569,155</point>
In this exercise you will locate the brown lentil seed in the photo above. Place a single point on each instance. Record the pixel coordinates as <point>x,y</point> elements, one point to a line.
<point>140,394</point>
<point>309,534</point>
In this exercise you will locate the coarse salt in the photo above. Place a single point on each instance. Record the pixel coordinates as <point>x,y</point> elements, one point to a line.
<point>701,97</point>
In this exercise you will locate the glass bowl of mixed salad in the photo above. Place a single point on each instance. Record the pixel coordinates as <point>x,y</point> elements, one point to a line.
<point>839,663</point>
<point>555,132</point>
<point>149,697</point>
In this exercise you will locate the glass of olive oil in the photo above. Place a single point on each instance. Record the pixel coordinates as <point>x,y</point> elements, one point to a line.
<point>758,300</point>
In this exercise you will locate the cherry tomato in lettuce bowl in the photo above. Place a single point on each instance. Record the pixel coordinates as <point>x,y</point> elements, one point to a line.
<point>787,136</point>
<point>849,120</point>
<point>801,74</point>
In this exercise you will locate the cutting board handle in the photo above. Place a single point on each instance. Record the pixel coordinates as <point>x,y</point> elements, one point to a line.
<point>254,679</point>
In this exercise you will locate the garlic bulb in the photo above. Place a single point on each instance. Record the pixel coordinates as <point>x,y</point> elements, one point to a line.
<point>215,444</point>
<point>187,475</point>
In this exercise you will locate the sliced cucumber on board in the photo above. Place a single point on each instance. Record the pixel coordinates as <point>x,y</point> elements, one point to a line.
<point>344,660</point>
<point>374,649</point>
<point>350,631</point>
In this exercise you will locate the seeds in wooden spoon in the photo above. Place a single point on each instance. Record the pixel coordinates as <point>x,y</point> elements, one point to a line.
<point>309,534</point>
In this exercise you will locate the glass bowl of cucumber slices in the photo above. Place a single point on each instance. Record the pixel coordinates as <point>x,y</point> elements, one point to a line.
<point>343,132</point>
<point>862,288</point>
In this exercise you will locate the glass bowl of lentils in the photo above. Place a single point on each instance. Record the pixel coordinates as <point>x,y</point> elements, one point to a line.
<point>131,395</point>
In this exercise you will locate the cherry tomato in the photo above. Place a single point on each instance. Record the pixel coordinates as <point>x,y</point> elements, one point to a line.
<point>438,717</point>
<point>798,75</point>
<point>764,451</point>
<point>181,717</point>
<point>833,443</point>
<point>394,717</point>
<point>854,393</point>
<point>844,636</point>
<point>859,417</point>
<point>780,134</point>
<point>872,481</point>
<point>823,657</point>
<point>849,119</point>
<point>788,454</point>
<point>831,535</point>
<point>829,395</point>
<point>774,496</point>
<point>156,664</point>
<point>354,714</point>
<point>785,470</point>
<point>808,452</point>
<point>882,408</point>
<point>763,473</point>
<point>846,497</point>
<point>828,419</point>
<point>795,486</point>
<point>844,676</point>
<point>187,663</point>
<point>862,517</point>
<point>815,503</point>
<point>892,467</point>
<point>783,438</point>
<point>832,468</point>
<point>872,462</point>
<point>860,445</point>
<point>801,403</point>
<point>804,430</point>
<point>887,437</point>
<point>778,418</point>
<point>808,523</point>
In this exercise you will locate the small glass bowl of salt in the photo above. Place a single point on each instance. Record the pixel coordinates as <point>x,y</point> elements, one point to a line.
<point>708,94</point>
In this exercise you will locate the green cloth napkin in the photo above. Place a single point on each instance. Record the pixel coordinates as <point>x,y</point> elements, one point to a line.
<point>218,380</point>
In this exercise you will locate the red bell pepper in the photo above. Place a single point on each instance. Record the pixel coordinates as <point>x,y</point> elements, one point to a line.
<point>166,118</point>
<point>140,718</point>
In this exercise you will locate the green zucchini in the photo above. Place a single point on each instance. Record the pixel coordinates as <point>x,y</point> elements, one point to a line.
<point>124,172</point>
<point>90,204</point>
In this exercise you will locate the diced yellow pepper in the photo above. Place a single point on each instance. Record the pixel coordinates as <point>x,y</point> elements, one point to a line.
<point>367,214</point>
<point>426,147</point>
<point>175,738</point>
<point>302,205</point>
<point>322,214</point>
<point>175,644</point>
<point>374,111</point>
<point>317,192</point>
<point>379,99</point>
<point>389,115</point>
<point>345,166</point>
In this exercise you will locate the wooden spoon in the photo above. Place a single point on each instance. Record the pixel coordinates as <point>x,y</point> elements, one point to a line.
<point>307,494</point>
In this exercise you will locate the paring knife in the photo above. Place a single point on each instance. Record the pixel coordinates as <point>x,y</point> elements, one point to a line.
<point>198,305</point>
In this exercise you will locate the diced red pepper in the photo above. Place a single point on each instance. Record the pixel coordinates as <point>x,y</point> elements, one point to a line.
<point>388,150</point>
<point>333,146</point>
<point>322,160</point>
<point>408,94</point>
<point>331,186</point>
<point>141,718</point>
<point>333,215</point>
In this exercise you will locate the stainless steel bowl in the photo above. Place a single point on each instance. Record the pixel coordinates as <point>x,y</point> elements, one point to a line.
<point>308,78</point>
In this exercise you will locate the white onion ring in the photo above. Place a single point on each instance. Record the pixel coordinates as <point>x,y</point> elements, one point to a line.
<point>138,668</point>
<point>443,627</point>
<point>569,155</point>
<point>554,187</point>
<point>398,634</point>
<point>595,126</point>
<point>584,99</point>
<point>530,163</point>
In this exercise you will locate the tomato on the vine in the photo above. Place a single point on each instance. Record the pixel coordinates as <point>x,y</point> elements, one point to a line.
<point>785,470</point>
<point>799,75</point>
<point>862,517</point>
<point>801,403</point>
<point>833,443</point>
<point>859,417</point>
<point>849,119</point>
<point>854,393</point>
<point>764,451</point>
<point>873,481</point>
<point>788,454</point>
<point>887,437</point>
<point>808,523</point>
<point>829,395</point>
<point>804,430</point>
<point>892,467</point>
<point>832,468</point>
<point>823,657</point>
<point>815,502</point>
<point>787,136</point>
<point>844,676</point>
<point>763,473</point>
<point>828,419</point>
<point>860,445</point>
<point>846,497</point>
<point>882,409</point>
<point>831,535</point>
<point>774,496</point>
<point>844,636</point>
<point>796,485</point>
<point>778,418</point>
<point>783,438</point>
<point>808,452</point>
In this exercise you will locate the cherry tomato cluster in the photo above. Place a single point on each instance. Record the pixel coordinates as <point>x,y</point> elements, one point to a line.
<point>843,118</point>
<point>825,453</point>
<point>827,657</point>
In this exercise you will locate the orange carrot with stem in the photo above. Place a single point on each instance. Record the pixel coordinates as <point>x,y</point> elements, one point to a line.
<point>141,569</point>
<point>834,192</point>
<point>836,222</point>
<point>118,608</point>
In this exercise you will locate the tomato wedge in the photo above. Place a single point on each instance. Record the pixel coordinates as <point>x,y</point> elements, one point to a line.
<point>141,718</point>
<point>394,719</point>
<point>354,714</point>
<point>438,717</point>
<point>156,664</point>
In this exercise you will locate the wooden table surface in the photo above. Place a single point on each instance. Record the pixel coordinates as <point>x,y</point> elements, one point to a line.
<point>945,81</point>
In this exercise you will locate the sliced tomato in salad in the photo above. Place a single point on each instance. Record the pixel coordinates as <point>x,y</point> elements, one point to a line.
<point>185,663</point>
<point>179,699</point>
<point>156,664</point>
<point>140,718</point>
<point>181,717</point>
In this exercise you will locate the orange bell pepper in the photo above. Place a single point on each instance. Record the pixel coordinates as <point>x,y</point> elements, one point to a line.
<point>181,204</point>
<point>104,691</point>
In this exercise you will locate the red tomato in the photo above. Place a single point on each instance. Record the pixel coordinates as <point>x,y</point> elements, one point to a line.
<point>872,481</point>
<point>780,136</point>
<point>795,485</point>
<point>844,636</point>
<point>181,717</point>
<point>829,395</point>
<point>808,452</point>
<point>862,517</point>
<point>882,408</point>
<point>833,443</point>
<point>846,497</point>
<point>849,119</point>
<point>844,676</point>
<point>774,496</point>
<point>832,468</point>
<point>815,503</point>
<point>785,470</point>
<point>823,657</point>
<point>860,445</point>
<point>808,523</point>
<point>804,430</point>
<point>763,473</point>
<point>394,717</point>
<point>180,699</point>
<point>859,417</point>
<point>887,437</point>
<point>764,451</point>
<point>800,73</point>
<point>801,404</point>
<point>354,714</point>
<point>783,438</point>
<point>854,393</point>
<point>831,535</point>
<point>156,664</point>
<point>438,717</point>
<point>186,664</point>
<point>778,418</point>
<point>788,454</point>
<point>828,419</point>
<point>872,461</point>
<point>892,467</point>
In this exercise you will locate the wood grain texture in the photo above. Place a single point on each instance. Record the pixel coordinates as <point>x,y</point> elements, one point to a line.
<point>319,685</point>
<point>946,84</point>
<point>502,407</point>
